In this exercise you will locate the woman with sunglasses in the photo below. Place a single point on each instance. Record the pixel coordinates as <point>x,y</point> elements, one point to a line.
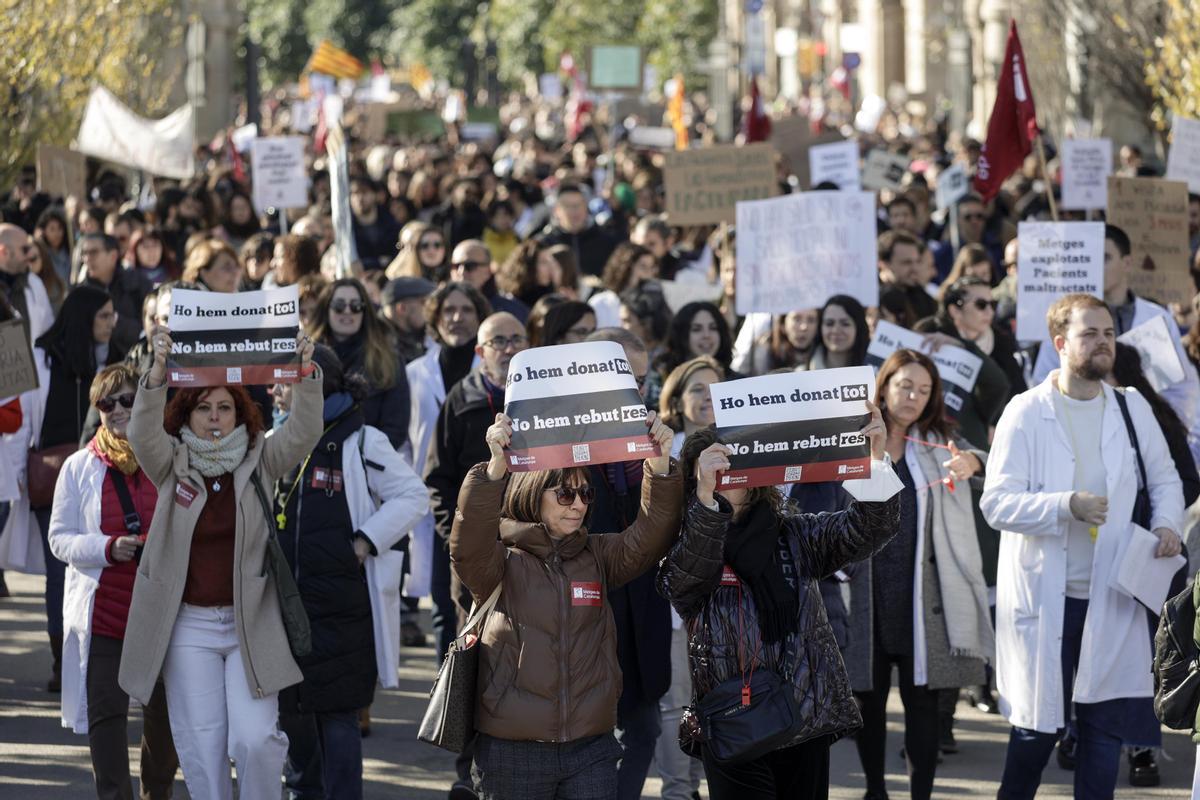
<point>423,253</point>
<point>103,508</point>
<point>347,321</point>
<point>548,677</point>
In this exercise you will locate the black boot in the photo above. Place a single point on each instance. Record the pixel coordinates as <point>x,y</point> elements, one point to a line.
<point>54,685</point>
<point>1143,768</point>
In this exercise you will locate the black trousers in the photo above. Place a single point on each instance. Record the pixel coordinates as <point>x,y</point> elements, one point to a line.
<point>800,772</point>
<point>920,726</point>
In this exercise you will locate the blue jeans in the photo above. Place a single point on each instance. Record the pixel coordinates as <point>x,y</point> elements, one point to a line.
<point>1098,753</point>
<point>324,757</point>
<point>639,722</point>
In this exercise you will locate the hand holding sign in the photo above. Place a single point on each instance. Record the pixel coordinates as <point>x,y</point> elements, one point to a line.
<point>714,459</point>
<point>161,336</point>
<point>662,436</point>
<point>498,437</point>
<point>876,432</point>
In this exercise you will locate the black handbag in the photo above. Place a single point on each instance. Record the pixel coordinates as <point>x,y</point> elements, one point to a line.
<point>449,719</point>
<point>291,606</point>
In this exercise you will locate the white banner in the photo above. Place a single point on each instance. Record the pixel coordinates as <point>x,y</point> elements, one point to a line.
<point>1055,259</point>
<point>836,163</point>
<point>344,248</point>
<point>798,250</point>
<point>1160,359</point>
<point>958,368</point>
<point>159,146</point>
<point>1086,165</point>
<point>1183,159</point>
<point>277,170</point>
<point>884,170</point>
<point>951,185</point>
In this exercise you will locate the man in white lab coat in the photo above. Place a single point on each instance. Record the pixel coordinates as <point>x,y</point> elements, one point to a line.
<point>1061,486</point>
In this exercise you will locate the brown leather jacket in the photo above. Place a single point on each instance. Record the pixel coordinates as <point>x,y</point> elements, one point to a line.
<point>548,666</point>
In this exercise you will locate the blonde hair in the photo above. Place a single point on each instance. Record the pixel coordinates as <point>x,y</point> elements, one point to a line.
<point>203,256</point>
<point>407,263</point>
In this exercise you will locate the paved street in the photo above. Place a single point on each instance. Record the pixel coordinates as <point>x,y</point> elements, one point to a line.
<point>41,760</point>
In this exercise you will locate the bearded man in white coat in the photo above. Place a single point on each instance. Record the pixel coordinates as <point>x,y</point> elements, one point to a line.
<point>1061,486</point>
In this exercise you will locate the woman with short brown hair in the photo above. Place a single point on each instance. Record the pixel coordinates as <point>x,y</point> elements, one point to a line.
<point>214,265</point>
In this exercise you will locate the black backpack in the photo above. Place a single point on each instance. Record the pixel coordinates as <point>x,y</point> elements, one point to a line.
<point>1176,671</point>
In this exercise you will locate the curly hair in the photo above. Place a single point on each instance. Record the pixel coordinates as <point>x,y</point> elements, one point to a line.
<point>180,407</point>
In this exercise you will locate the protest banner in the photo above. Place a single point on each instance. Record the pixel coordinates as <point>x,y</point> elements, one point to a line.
<point>1183,159</point>
<point>835,163</point>
<point>17,372</point>
<point>798,250</point>
<point>160,146</point>
<point>573,405</point>
<point>277,170</point>
<point>61,172</point>
<point>650,136</point>
<point>1054,259</point>
<point>1160,358</point>
<point>952,185</point>
<point>1154,214</point>
<point>1086,165</point>
<point>795,427</point>
<point>792,137</point>
<point>243,338</point>
<point>344,248</point>
<point>679,293</point>
<point>957,367</point>
<point>615,66</point>
<point>884,170</point>
<point>704,186</point>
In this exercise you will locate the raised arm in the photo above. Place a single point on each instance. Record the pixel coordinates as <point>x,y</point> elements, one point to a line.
<point>476,552</point>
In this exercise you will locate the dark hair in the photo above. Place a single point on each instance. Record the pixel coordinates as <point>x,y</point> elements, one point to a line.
<point>1127,370</point>
<point>695,444</point>
<point>933,417</point>
<point>109,243</point>
<point>69,340</point>
<point>619,267</point>
<point>561,318</point>
<point>862,333</point>
<point>334,377</point>
<point>893,300</point>
<point>902,200</point>
<point>955,294</point>
<point>167,262</point>
<point>180,408</point>
<point>300,258</point>
<point>1119,238</point>
<point>680,331</point>
<point>647,302</point>
<point>435,301</point>
<point>523,497</point>
<point>570,188</point>
<point>54,214</point>
<point>256,245</point>
<point>379,361</point>
<point>537,315</point>
<point>889,239</point>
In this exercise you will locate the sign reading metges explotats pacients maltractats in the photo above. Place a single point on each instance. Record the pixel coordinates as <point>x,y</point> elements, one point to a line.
<point>572,405</point>
<point>796,427</point>
<point>1055,259</point>
<point>239,338</point>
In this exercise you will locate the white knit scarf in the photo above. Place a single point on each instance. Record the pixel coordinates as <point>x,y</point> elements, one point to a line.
<point>215,457</point>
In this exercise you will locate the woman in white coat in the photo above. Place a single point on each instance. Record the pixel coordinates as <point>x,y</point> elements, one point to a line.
<point>338,515</point>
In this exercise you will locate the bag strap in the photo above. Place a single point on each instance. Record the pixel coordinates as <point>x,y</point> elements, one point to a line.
<point>133,522</point>
<point>1133,437</point>
<point>268,515</point>
<point>478,613</point>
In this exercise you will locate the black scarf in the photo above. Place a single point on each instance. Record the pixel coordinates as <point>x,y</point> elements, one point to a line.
<point>456,362</point>
<point>752,549</point>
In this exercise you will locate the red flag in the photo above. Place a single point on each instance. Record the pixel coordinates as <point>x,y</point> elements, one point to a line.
<point>758,124</point>
<point>1013,128</point>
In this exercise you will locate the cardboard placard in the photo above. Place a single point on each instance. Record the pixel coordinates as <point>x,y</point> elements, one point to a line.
<point>796,427</point>
<point>1160,359</point>
<point>61,172</point>
<point>1154,214</point>
<point>884,170</point>
<point>705,185</point>
<point>1183,159</point>
<point>1086,165</point>
<point>242,338</point>
<point>835,163</point>
<point>17,371</point>
<point>1055,258</point>
<point>798,250</point>
<point>957,367</point>
<point>278,174</point>
<point>573,405</point>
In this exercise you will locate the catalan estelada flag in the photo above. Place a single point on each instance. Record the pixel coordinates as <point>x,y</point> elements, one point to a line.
<point>330,60</point>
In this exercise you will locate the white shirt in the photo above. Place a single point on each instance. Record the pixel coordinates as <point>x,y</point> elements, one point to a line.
<point>1082,419</point>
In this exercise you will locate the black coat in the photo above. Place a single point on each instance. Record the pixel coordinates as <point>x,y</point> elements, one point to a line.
<point>457,445</point>
<point>388,410</point>
<point>318,540</point>
<point>813,498</point>
<point>592,246</point>
<point>128,291</point>
<point>67,403</point>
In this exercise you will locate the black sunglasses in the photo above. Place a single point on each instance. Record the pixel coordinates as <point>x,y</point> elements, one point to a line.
<point>431,245</point>
<point>980,304</point>
<point>107,404</point>
<point>470,265</point>
<point>340,306</point>
<point>566,494</point>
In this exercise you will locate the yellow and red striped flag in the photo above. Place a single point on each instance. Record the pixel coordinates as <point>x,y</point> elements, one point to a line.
<point>331,60</point>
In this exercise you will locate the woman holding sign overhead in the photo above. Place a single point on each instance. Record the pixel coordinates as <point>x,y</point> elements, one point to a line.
<point>921,602</point>
<point>205,611</point>
<point>548,676</point>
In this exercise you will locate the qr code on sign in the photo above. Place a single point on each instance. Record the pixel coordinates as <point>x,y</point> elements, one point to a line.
<point>791,474</point>
<point>233,375</point>
<point>581,453</point>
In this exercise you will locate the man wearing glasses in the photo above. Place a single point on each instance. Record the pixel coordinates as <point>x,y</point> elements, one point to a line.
<point>101,255</point>
<point>471,262</point>
<point>972,229</point>
<point>23,289</point>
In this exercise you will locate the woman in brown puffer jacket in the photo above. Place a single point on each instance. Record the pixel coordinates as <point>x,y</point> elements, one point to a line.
<point>548,674</point>
<point>744,577</point>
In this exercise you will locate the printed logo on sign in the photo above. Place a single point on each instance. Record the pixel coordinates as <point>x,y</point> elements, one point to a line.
<point>851,469</point>
<point>953,401</point>
<point>633,413</point>
<point>850,439</point>
<point>841,469</point>
<point>283,345</point>
<point>964,370</point>
<point>288,307</point>
<point>631,447</point>
<point>791,474</point>
<point>233,375</point>
<point>286,373</point>
<point>585,593</point>
<point>514,460</point>
<point>182,377</point>
<point>581,453</point>
<point>855,391</point>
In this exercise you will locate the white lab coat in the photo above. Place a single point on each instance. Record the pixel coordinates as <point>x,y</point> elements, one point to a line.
<point>1027,489</point>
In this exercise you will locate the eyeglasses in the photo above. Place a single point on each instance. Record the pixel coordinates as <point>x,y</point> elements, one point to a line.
<point>431,245</point>
<point>470,265</point>
<point>340,306</point>
<point>566,494</point>
<point>972,217</point>
<point>107,404</point>
<point>979,303</point>
<point>517,342</point>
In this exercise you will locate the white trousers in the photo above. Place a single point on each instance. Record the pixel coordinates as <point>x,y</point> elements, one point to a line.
<point>681,774</point>
<point>215,716</point>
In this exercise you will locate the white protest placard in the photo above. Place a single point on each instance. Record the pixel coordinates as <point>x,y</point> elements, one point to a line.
<point>1055,259</point>
<point>277,171</point>
<point>835,163</point>
<point>1141,574</point>
<point>958,368</point>
<point>679,293</point>
<point>1160,359</point>
<point>243,137</point>
<point>795,427</point>
<point>650,136</point>
<point>884,170</point>
<point>798,250</point>
<point>572,405</point>
<point>241,338</point>
<point>345,249</point>
<point>479,131</point>
<point>1183,159</point>
<point>951,185</point>
<point>550,86</point>
<point>1086,165</point>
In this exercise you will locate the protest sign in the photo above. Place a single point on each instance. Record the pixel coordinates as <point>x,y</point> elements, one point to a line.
<point>792,137</point>
<point>679,293</point>
<point>277,170</point>
<point>1086,165</point>
<point>61,172</point>
<point>951,185</point>
<point>836,163</point>
<point>703,186</point>
<point>615,66</point>
<point>242,338</point>
<point>957,367</point>
<point>344,248</point>
<point>550,86</point>
<point>798,250</point>
<point>795,427</point>
<point>884,170</point>
<point>1160,358</point>
<point>1183,159</point>
<point>1154,214</point>
<point>1054,259</point>
<point>649,136</point>
<point>572,405</point>
<point>17,372</point>
<point>160,146</point>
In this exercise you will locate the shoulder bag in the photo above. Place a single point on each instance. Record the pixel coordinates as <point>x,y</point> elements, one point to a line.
<point>295,618</point>
<point>42,466</point>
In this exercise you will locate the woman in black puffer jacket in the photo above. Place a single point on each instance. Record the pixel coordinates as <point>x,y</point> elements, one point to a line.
<point>740,547</point>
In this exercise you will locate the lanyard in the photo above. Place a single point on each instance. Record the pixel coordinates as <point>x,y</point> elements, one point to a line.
<point>281,517</point>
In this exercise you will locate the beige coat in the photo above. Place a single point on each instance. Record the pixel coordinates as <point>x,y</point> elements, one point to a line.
<point>158,588</point>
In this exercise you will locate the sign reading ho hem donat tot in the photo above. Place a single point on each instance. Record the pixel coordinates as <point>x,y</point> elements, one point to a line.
<point>797,427</point>
<point>240,338</point>
<point>573,405</point>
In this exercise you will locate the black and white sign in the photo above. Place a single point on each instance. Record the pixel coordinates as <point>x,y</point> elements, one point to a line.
<point>277,168</point>
<point>836,163</point>
<point>1086,165</point>
<point>1055,259</point>
<point>951,185</point>
<point>884,170</point>
<point>958,368</point>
